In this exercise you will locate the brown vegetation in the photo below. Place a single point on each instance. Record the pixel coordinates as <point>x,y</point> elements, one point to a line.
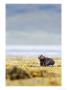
<point>28,72</point>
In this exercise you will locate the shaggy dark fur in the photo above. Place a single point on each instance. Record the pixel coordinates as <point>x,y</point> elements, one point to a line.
<point>45,61</point>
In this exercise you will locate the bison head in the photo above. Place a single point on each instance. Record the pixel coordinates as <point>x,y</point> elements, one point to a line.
<point>41,57</point>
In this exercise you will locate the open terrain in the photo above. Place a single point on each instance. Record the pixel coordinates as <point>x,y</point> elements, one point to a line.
<point>39,76</point>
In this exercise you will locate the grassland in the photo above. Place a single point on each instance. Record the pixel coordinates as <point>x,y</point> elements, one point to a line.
<point>40,76</point>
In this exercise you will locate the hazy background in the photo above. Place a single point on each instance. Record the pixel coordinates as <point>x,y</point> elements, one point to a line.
<point>51,51</point>
<point>33,29</point>
<point>33,24</point>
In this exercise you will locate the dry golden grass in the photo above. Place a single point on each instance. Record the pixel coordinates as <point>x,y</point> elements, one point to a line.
<point>41,76</point>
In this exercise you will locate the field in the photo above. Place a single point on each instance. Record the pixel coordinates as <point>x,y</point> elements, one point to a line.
<point>39,76</point>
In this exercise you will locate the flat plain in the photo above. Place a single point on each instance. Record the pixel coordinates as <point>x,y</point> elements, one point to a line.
<point>39,76</point>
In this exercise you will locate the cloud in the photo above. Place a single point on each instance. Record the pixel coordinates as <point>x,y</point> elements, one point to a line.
<point>37,24</point>
<point>13,9</point>
<point>32,38</point>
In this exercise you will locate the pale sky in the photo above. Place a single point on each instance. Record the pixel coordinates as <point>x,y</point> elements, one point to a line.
<point>33,24</point>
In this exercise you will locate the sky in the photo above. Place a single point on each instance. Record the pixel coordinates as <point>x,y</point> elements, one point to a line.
<point>33,24</point>
<point>26,51</point>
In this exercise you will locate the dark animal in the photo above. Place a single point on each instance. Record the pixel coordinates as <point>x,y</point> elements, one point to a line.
<point>42,59</point>
<point>45,61</point>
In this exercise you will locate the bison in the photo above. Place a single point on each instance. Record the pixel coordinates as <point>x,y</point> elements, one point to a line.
<point>45,61</point>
